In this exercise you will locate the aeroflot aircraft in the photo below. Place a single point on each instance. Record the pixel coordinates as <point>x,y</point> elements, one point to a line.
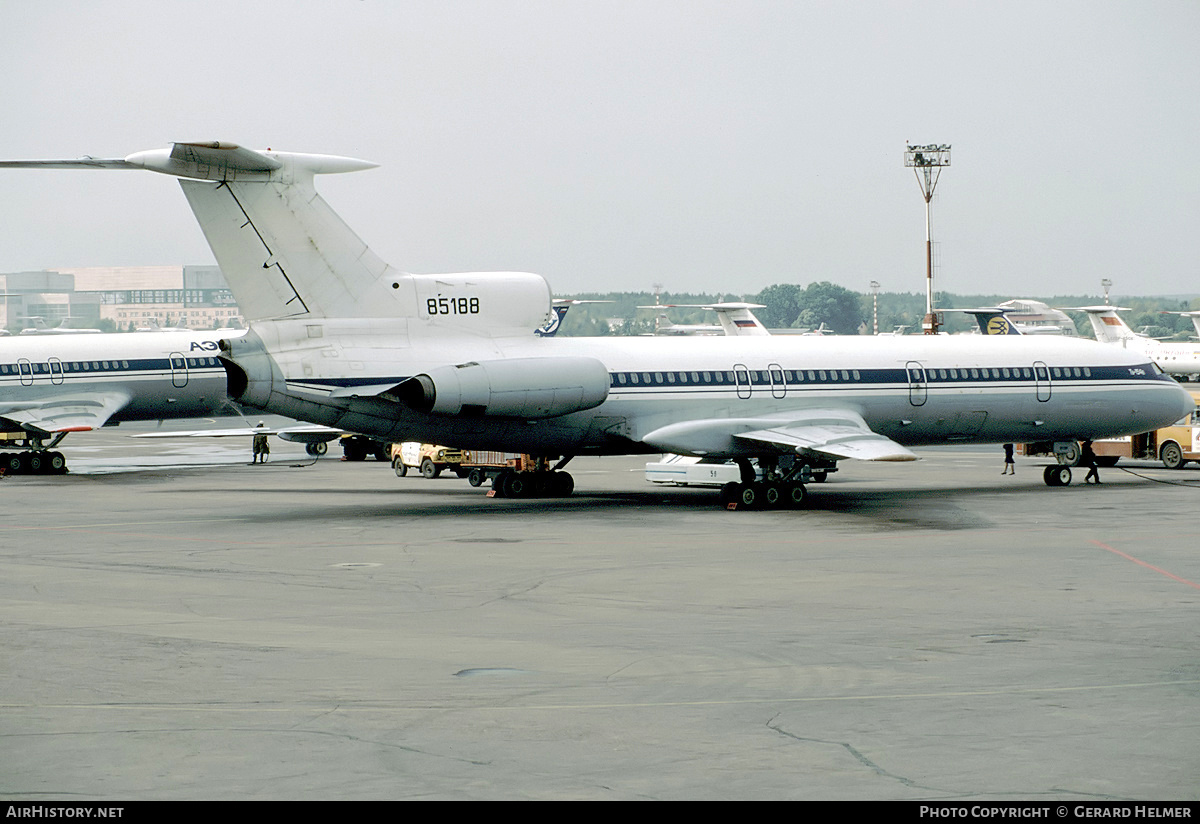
<point>338,337</point>
<point>52,385</point>
<point>1173,358</point>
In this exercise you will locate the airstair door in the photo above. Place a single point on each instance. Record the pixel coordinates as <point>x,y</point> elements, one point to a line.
<point>918,386</point>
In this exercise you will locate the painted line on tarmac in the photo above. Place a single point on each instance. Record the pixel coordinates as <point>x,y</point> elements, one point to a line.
<point>1159,570</point>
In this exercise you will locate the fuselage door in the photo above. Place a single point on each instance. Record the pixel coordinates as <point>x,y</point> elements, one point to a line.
<point>1041,380</point>
<point>179,370</point>
<point>918,387</point>
<point>778,382</point>
<point>741,377</point>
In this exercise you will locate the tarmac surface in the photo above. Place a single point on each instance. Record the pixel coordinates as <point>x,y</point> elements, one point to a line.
<point>176,623</point>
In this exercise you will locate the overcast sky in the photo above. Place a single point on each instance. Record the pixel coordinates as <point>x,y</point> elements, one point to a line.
<point>706,146</point>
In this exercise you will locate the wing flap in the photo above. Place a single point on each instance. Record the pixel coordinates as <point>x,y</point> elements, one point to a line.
<point>67,414</point>
<point>832,432</point>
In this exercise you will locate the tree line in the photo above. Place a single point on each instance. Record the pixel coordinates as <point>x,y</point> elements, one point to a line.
<point>846,312</point>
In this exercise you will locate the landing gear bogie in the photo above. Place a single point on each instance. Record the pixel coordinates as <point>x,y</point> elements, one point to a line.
<point>763,495</point>
<point>34,462</point>
<point>547,484</point>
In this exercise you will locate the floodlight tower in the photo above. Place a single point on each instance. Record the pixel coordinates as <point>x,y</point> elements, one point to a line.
<point>927,163</point>
<point>875,307</point>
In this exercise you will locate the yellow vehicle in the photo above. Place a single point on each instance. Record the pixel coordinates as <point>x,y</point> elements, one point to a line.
<point>430,459</point>
<point>1174,445</point>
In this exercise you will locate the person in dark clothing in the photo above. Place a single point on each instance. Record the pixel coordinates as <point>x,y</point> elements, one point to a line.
<point>1088,458</point>
<point>262,450</point>
<point>1010,468</point>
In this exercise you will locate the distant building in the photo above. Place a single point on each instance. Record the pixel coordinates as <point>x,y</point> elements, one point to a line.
<point>131,297</point>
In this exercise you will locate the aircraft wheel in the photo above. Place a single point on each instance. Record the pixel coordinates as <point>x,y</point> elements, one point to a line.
<point>56,464</point>
<point>769,495</point>
<point>748,497</point>
<point>729,494</point>
<point>796,495</point>
<point>561,484</point>
<point>515,486</point>
<point>14,464</point>
<point>1171,455</point>
<point>34,462</point>
<point>1070,457</point>
<point>1057,475</point>
<point>399,466</point>
<point>476,477</point>
<point>499,482</point>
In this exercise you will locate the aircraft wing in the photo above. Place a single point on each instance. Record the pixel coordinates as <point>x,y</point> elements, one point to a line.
<point>302,433</point>
<point>837,438</point>
<point>832,432</point>
<point>90,410</point>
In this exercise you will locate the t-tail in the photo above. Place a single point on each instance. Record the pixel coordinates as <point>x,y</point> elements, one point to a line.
<point>992,321</point>
<point>287,255</point>
<point>1107,324</point>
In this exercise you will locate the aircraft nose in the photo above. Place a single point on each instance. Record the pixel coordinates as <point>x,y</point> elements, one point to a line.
<point>1178,404</point>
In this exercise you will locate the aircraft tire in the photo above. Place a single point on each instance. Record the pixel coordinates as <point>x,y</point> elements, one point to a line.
<point>499,482</point>
<point>1171,455</point>
<point>748,497</point>
<point>561,484</point>
<point>516,486</point>
<point>729,494</point>
<point>14,464</point>
<point>1071,458</point>
<point>769,495</point>
<point>1057,475</point>
<point>56,464</point>
<point>33,461</point>
<point>796,495</point>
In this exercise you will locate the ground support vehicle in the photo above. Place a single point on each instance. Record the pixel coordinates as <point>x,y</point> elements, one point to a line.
<point>515,475</point>
<point>358,447</point>
<point>427,458</point>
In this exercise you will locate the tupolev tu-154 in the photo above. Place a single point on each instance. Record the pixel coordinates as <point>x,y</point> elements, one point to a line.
<point>338,337</point>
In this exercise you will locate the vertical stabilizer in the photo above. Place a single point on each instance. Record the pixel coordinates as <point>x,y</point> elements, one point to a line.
<point>285,253</point>
<point>1107,324</point>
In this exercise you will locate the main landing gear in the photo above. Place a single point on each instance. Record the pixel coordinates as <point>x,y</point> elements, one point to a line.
<point>780,487</point>
<point>529,476</point>
<point>763,495</point>
<point>34,462</point>
<point>38,457</point>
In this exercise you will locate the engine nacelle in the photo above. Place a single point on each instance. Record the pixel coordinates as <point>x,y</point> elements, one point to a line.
<point>517,388</point>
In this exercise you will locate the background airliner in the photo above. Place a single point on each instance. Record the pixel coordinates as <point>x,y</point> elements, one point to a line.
<point>339,338</point>
<point>52,385</point>
<point>1174,358</point>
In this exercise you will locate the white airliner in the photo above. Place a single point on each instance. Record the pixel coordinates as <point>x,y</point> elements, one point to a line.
<point>734,318</point>
<point>1174,358</point>
<point>52,385</point>
<point>339,338</point>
